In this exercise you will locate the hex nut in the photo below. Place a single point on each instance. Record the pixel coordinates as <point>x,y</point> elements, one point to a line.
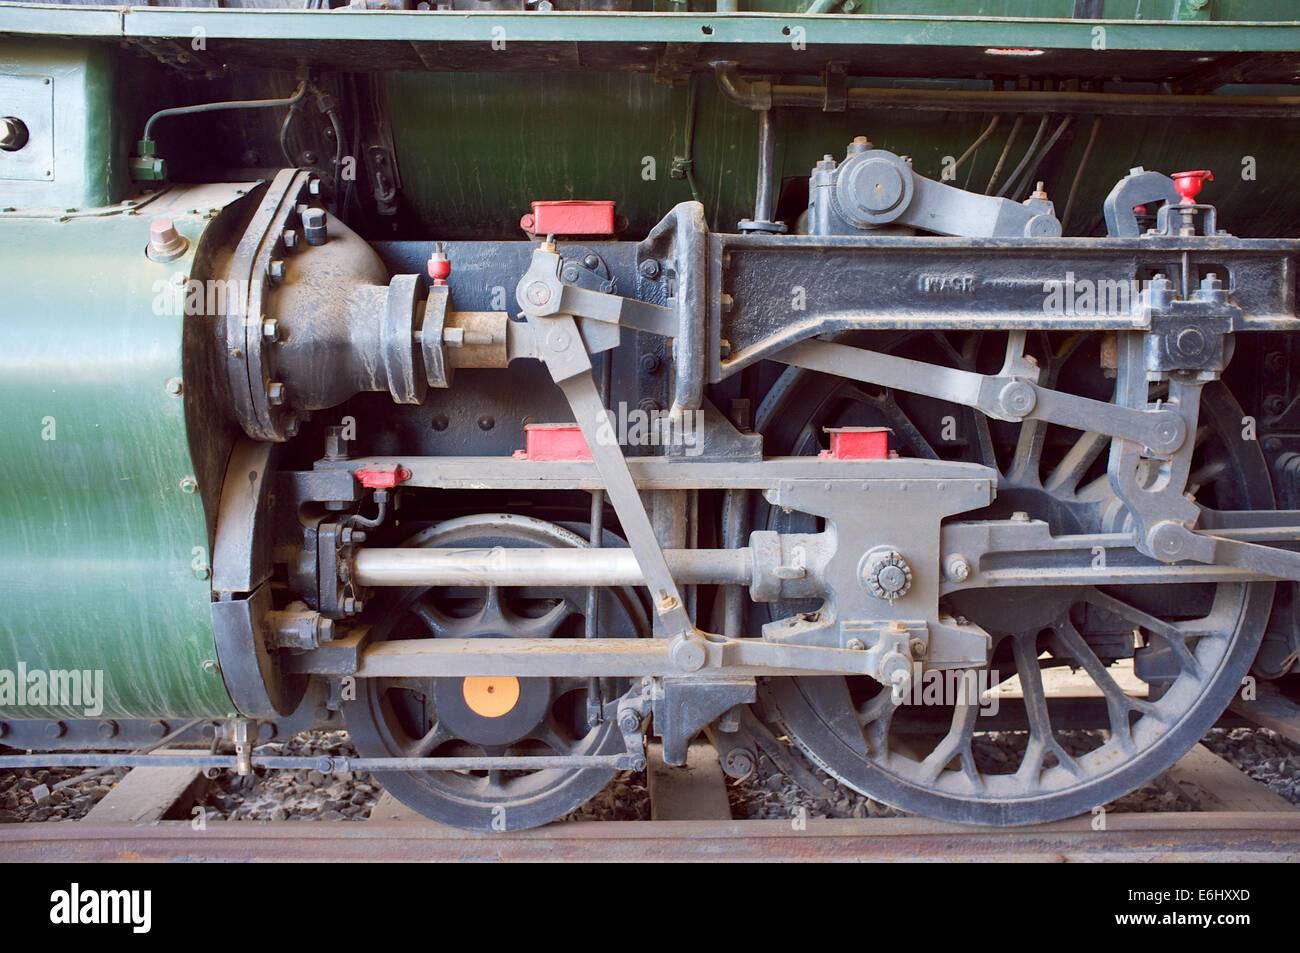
<point>886,574</point>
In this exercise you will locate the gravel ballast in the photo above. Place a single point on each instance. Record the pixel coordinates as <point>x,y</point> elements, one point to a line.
<point>767,794</point>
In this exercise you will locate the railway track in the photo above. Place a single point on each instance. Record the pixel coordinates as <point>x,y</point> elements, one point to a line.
<point>1235,819</point>
<point>1219,836</point>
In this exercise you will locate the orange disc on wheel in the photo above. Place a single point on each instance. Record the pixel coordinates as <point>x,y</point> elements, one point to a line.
<point>491,695</point>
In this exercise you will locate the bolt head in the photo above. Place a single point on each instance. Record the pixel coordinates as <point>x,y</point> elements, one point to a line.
<point>275,393</point>
<point>174,386</point>
<point>1018,398</point>
<point>271,329</point>
<point>165,242</point>
<point>891,578</point>
<point>855,645</point>
<point>538,293</point>
<point>649,268</point>
<point>739,763</point>
<point>290,238</point>
<point>276,269</point>
<point>886,574</point>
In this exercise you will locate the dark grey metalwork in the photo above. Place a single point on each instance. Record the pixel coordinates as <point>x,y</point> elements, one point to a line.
<point>1138,188</point>
<point>874,187</point>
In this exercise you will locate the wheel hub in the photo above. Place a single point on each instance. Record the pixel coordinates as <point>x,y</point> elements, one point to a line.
<point>497,715</point>
<point>491,710</point>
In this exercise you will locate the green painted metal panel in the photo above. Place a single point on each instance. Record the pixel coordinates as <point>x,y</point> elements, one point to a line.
<point>938,27</point>
<point>97,567</point>
<point>522,138</point>
<point>80,77</point>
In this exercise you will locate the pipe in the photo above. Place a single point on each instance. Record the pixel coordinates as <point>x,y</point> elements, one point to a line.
<point>502,566</point>
<point>687,161</point>
<point>1024,160</point>
<point>1015,191</point>
<point>213,107</point>
<point>1006,151</point>
<point>761,95</point>
<point>766,167</point>
<point>970,150</point>
<point>1078,173</point>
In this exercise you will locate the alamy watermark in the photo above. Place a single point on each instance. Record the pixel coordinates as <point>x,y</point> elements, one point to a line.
<point>58,687</point>
<point>951,687</point>
<point>179,297</point>
<point>1089,296</point>
<point>641,427</point>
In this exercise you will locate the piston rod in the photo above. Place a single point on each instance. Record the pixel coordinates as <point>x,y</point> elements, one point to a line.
<point>505,566</point>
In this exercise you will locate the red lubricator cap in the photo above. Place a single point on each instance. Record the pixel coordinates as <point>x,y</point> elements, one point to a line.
<point>1188,184</point>
<point>554,442</point>
<point>382,478</point>
<point>570,218</point>
<point>857,443</point>
<point>439,265</point>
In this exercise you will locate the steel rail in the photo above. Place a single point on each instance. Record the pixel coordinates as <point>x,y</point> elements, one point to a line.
<point>1184,836</point>
<point>324,764</point>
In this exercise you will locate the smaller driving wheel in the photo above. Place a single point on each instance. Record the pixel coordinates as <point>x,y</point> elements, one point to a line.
<point>492,716</point>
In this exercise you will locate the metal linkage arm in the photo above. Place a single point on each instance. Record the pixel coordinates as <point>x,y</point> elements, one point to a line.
<point>1004,397</point>
<point>540,294</point>
<point>545,295</point>
<point>1172,541</point>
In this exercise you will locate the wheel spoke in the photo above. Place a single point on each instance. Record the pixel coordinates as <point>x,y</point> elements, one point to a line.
<point>877,733</point>
<point>898,420</point>
<point>1042,739</point>
<point>1211,472</point>
<point>492,615</point>
<point>492,779</point>
<point>435,736</point>
<point>550,734</point>
<point>955,744</point>
<point>1171,634</point>
<point>877,705</point>
<point>544,625</point>
<point>1118,703</point>
<point>1064,480</point>
<point>437,622</point>
<point>949,351</point>
<point>1024,470</point>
